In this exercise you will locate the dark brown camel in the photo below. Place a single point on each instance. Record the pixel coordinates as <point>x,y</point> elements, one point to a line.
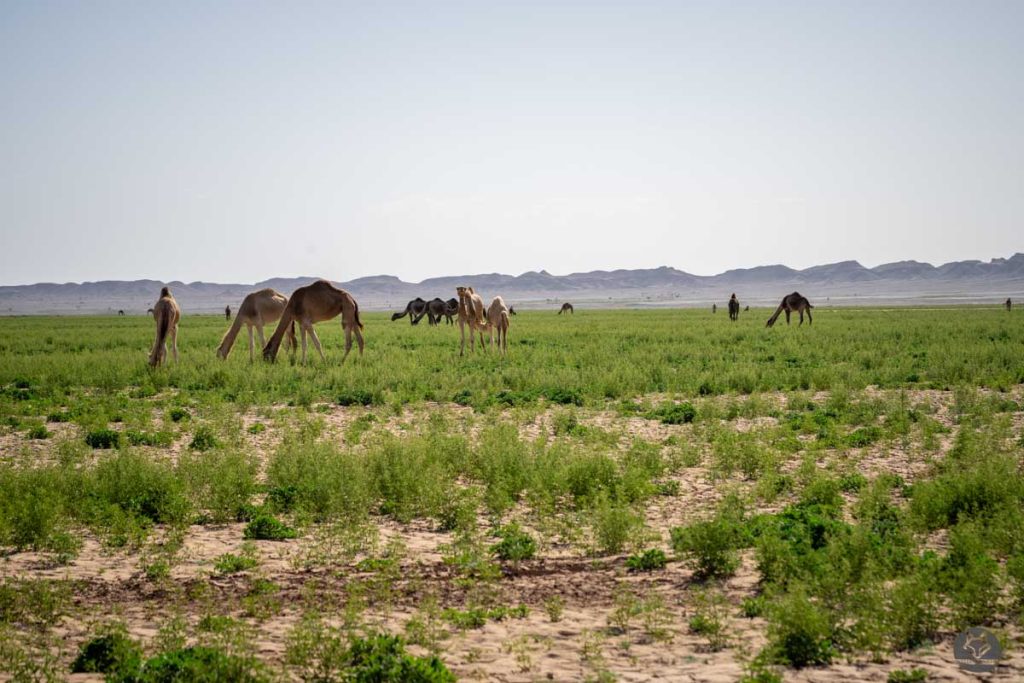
<point>434,311</point>
<point>227,313</point>
<point>792,302</point>
<point>566,307</point>
<point>734,307</point>
<point>414,309</point>
<point>451,309</point>
<point>1009,304</point>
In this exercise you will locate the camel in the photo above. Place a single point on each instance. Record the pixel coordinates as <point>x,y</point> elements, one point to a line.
<point>714,308</point>
<point>227,312</point>
<point>167,315</point>
<point>149,311</point>
<point>434,311</point>
<point>734,307</point>
<point>451,309</point>
<point>258,309</point>
<point>497,320</point>
<point>1009,304</point>
<point>512,310</point>
<point>312,304</point>
<point>120,312</point>
<point>471,312</point>
<point>746,308</point>
<point>792,302</point>
<point>566,307</point>
<point>414,309</point>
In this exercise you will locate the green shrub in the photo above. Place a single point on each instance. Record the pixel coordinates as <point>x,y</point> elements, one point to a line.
<point>103,438</point>
<point>614,525</point>
<point>139,486</point>
<point>203,439</point>
<point>199,664</point>
<point>515,544</point>
<point>647,561</point>
<point>357,397</point>
<point>674,413</point>
<point>915,675</point>
<point>711,547</point>
<point>564,396</point>
<point>382,658</point>
<point>229,563</point>
<point>799,632</point>
<point>114,654</point>
<point>139,438</point>
<point>265,527</point>
<point>178,414</point>
<point>38,432</point>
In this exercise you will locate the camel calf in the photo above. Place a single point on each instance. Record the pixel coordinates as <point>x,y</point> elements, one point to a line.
<point>497,320</point>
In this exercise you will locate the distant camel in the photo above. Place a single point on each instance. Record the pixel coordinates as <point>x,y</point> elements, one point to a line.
<point>167,315</point>
<point>227,312</point>
<point>258,309</point>
<point>566,307</point>
<point>746,308</point>
<point>451,310</point>
<point>149,311</point>
<point>312,304</point>
<point>512,310</point>
<point>714,308</point>
<point>120,312</point>
<point>416,307</point>
<point>435,311</point>
<point>792,302</point>
<point>471,312</point>
<point>734,307</point>
<point>497,321</point>
<point>1009,304</point>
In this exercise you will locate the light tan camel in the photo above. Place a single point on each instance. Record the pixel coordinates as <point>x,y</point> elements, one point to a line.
<point>792,302</point>
<point>471,312</point>
<point>167,315</point>
<point>497,321</point>
<point>313,304</point>
<point>566,307</point>
<point>258,309</point>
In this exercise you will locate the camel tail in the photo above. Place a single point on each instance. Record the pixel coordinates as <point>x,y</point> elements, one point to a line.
<point>163,326</point>
<point>286,325</point>
<point>358,321</point>
<point>775,316</point>
<point>229,338</point>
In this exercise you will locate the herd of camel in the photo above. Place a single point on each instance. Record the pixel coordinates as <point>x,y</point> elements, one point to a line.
<point>321,301</point>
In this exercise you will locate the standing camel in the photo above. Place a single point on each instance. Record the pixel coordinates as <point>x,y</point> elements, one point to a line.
<point>434,311</point>
<point>258,309</point>
<point>497,321</point>
<point>1009,304</point>
<point>414,309</point>
<point>471,313</point>
<point>167,315</point>
<point>566,307</point>
<point>734,307</point>
<point>451,310</point>
<point>512,310</point>
<point>313,304</point>
<point>120,312</point>
<point>227,312</point>
<point>714,308</point>
<point>792,302</point>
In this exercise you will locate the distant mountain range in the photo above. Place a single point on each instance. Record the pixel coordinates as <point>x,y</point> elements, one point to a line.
<point>845,282</point>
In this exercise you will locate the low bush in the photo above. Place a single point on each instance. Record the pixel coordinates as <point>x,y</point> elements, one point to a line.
<point>103,438</point>
<point>647,561</point>
<point>114,654</point>
<point>266,527</point>
<point>515,544</point>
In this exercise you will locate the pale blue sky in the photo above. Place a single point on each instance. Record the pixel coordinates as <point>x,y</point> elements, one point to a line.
<point>235,141</point>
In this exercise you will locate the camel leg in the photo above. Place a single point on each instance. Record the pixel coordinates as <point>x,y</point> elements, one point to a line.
<point>259,335</point>
<point>809,318</point>
<point>801,312</point>
<point>359,339</point>
<point>316,343</point>
<point>787,316</point>
<point>252,351</point>
<point>302,329</point>
<point>174,341</point>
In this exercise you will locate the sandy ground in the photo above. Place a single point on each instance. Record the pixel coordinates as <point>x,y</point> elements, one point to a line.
<point>583,641</point>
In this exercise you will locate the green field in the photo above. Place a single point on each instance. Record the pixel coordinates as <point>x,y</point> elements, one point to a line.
<point>627,493</point>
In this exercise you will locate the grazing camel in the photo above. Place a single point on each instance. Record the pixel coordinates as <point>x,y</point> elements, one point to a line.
<point>414,309</point>
<point>497,320</point>
<point>227,312</point>
<point>512,310</point>
<point>313,304</point>
<point>451,310</point>
<point>792,302</point>
<point>734,307</point>
<point>471,312</point>
<point>566,307</point>
<point>746,308</point>
<point>258,309</point>
<point>167,315</point>
<point>434,311</point>
<point>1009,304</point>
<point>120,312</point>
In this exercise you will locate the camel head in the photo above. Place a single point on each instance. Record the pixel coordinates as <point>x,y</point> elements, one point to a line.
<point>166,291</point>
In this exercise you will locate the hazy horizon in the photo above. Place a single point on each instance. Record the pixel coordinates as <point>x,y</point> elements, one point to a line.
<point>236,142</point>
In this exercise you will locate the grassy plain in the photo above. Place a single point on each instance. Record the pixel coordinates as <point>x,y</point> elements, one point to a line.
<point>628,493</point>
